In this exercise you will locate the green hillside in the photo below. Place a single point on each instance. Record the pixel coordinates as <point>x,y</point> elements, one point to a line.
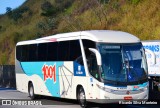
<point>39,18</point>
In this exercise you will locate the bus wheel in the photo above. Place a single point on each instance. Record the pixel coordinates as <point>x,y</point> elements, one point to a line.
<point>31,91</point>
<point>82,98</point>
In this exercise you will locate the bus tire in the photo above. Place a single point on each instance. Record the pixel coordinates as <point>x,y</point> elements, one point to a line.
<point>31,91</point>
<point>82,98</point>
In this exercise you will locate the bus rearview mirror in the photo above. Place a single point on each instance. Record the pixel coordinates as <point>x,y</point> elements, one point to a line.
<point>98,56</point>
<point>153,56</point>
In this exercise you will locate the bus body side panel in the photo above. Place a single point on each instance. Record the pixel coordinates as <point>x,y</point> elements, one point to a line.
<point>66,79</point>
<point>21,78</point>
<point>45,74</point>
<point>153,70</point>
<point>79,79</point>
<point>41,74</point>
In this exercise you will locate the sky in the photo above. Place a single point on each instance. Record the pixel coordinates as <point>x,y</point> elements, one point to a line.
<point>9,3</point>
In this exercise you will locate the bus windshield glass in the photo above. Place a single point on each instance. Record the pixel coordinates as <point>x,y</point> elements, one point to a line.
<point>123,64</point>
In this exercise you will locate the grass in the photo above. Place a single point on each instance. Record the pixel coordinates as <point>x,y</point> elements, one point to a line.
<point>140,18</point>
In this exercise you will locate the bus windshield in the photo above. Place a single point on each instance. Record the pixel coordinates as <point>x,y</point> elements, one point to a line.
<point>123,64</point>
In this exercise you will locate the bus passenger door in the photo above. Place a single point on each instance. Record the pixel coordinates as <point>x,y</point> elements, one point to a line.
<point>94,77</point>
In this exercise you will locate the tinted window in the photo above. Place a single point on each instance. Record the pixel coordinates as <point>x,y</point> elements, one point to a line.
<point>88,44</point>
<point>92,65</point>
<point>42,52</point>
<point>75,50</point>
<point>33,52</point>
<point>18,53</point>
<point>24,56</point>
<point>63,51</point>
<point>52,51</point>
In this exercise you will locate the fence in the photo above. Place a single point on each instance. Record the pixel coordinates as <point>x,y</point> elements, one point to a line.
<point>7,76</point>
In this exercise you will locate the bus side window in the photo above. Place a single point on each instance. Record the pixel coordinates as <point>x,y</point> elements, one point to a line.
<point>88,44</point>
<point>33,52</point>
<point>24,53</point>
<point>93,67</point>
<point>63,51</point>
<point>18,52</point>
<point>42,52</point>
<point>52,51</point>
<point>75,52</point>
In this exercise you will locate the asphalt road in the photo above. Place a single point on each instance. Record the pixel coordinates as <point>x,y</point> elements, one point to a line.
<point>51,102</point>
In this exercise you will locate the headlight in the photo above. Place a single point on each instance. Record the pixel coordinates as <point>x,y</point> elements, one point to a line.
<point>144,89</point>
<point>105,89</point>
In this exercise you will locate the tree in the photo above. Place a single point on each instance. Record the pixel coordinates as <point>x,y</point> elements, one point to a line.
<point>9,11</point>
<point>46,6</point>
<point>47,9</point>
<point>17,13</point>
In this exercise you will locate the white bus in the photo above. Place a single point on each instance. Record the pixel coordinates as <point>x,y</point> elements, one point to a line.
<point>95,65</point>
<point>153,69</point>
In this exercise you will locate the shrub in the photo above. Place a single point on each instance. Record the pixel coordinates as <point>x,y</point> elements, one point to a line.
<point>47,25</point>
<point>17,13</point>
<point>48,9</point>
<point>41,26</point>
<point>4,59</point>
<point>16,37</point>
<point>134,1</point>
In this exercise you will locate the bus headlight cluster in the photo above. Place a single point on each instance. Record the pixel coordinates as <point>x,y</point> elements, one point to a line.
<point>105,89</point>
<point>144,89</point>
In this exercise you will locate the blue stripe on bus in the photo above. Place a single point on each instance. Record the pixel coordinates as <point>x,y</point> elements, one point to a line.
<point>136,87</point>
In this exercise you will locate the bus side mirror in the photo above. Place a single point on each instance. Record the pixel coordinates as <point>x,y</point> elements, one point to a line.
<point>98,55</point>
<point>153,56</point>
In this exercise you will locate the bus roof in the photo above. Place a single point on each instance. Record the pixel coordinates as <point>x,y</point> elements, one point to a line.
<point>151,41</point>
<point>106,36</point>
